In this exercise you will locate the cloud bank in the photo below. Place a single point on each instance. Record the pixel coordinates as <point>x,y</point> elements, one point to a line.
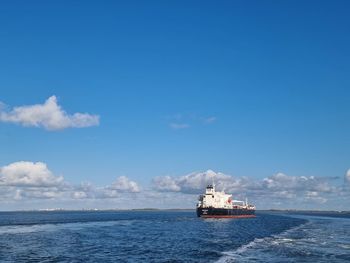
<point>33,180</point>
<point>277,189</point>
<point>28,183</point>
<point>49,115</point>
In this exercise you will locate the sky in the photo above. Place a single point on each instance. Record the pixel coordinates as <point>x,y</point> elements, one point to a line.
<point>111,104</point>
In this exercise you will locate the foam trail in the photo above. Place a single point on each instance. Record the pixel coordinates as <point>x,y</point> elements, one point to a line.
<point>19,229</point>
<point>320,240</point>
<point>237,255</point>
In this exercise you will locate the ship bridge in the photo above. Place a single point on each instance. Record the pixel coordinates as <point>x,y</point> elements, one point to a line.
<point>210,190</point>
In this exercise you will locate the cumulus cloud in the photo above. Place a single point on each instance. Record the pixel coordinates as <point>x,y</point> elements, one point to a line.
<point>33,180</point>
<point>79,195</point>
<point>83,191</point>
<point>297,183</point>
<point>124,184</point>
<point>49,115</point>
<point>194,183</point>
<point>23,181</point>
<point>30,180</point>
<point>28,174</point>
<point>275,187</point>
<point>166,183</point>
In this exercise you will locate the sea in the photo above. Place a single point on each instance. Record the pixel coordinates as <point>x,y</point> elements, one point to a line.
<point>171,236</point>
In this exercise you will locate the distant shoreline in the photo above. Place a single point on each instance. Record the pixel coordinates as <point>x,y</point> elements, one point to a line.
<point>308,212</point>
<point>289,211</point>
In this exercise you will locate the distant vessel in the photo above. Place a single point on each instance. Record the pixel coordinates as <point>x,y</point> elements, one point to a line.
<point>220,205</point>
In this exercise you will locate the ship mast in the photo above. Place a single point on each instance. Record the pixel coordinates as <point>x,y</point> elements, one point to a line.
<point>213,183</point>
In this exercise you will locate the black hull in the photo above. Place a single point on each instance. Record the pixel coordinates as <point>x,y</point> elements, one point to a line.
<point>211,212</point>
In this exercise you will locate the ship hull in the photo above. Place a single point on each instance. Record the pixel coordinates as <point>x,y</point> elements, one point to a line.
<point>212,212</point>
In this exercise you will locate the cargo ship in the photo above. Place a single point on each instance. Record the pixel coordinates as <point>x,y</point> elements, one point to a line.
<point>214,204</point>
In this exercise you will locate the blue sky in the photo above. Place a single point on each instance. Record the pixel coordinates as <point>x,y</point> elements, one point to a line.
<point>247,89</point>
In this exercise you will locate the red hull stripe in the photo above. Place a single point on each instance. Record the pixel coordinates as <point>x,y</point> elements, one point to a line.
<point>227,216</point>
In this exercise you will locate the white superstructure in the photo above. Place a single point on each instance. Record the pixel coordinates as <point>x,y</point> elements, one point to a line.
<point>214,199</point>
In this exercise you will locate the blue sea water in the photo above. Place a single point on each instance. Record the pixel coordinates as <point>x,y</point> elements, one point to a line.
<point>170,236</point>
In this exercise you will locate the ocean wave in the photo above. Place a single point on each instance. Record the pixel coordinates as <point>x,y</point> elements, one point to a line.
<point>238,253</point>
<point>31,228</point>
<point>170,237</point>
<point>318,240</point>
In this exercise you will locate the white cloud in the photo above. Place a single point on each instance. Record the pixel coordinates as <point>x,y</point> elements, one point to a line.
<point>21,182</point>
<point>166,183</point>
<point>347,177</point>
<point>28,174</point>
<point>49,115</point>
<point>124,184</point>
<point>293,189</point>
<point>194,183</point>
<point>39,193</point>
<point>297,183</point>
<point>79,195</point>
<point>83,191</point>
<point>29,180</point>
